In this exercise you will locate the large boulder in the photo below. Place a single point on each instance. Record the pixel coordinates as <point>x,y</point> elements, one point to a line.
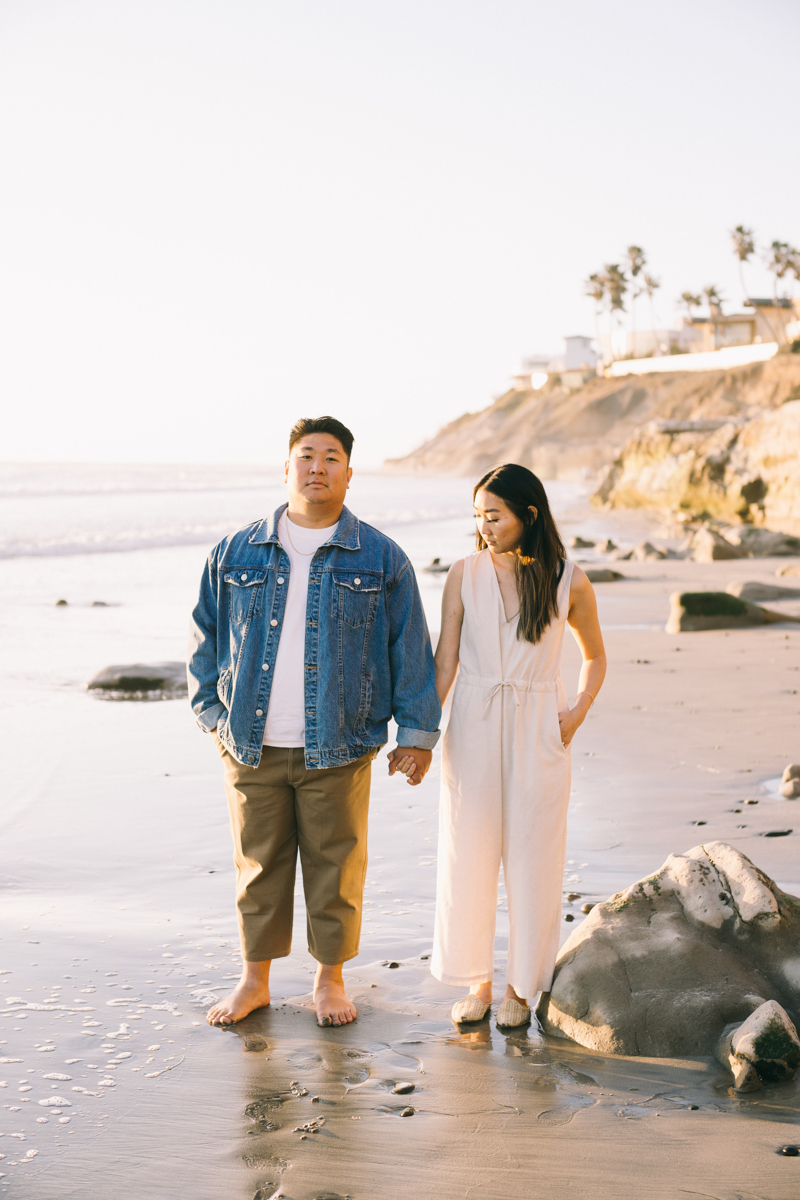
<point>752,590</point>
<point>141,681</point>
<point>602,575</point>
<point>763,1049</point>
<point>647,552</point>
<point>662,968</point>
<point>756,542</point>
<point>693,611</point>
<point>709,546</point>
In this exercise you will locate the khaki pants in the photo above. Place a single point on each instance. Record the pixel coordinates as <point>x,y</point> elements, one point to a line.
<point>277,808</point>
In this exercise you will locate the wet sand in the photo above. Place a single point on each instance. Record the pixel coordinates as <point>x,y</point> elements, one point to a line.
<point>118,929</point>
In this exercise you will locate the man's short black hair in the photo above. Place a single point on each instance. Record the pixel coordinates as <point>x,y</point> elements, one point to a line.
<point>329,425</point>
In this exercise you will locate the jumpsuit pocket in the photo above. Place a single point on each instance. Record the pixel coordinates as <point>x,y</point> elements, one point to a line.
<point>560,703</point>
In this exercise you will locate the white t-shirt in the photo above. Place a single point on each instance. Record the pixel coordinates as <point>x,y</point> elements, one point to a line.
<point>286,715</point>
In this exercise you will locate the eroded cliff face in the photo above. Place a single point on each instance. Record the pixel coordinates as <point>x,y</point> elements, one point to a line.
<point>713,443</point>
<point>745,470</point>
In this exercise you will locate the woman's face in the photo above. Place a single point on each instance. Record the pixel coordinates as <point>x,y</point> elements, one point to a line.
<point>497,525</point>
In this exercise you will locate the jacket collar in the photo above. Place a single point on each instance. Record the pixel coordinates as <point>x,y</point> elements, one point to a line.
<point>345,534</point>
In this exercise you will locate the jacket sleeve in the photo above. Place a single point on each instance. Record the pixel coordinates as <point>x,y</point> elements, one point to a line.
<point>201,669</point>
<point>415,703</point>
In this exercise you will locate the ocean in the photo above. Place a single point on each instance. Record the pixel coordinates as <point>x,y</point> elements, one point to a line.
<point>59,509</point>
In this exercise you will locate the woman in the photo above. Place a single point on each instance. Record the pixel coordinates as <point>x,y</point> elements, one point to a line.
<point>506,756</point>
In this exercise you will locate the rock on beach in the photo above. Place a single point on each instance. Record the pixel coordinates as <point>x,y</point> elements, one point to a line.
<point>763,1049</point>
<point>662,968</point>
<point>136,680</point>
<point>693,611</point>
<point>602,575</point>
<point>752,590</point>
<point>790,782</point>
<point>709,546</point>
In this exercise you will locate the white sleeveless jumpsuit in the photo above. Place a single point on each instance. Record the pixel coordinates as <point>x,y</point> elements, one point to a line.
<point>505,792</point>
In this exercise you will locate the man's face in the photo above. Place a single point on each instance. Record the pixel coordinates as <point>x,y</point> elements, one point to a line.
<point>317,470</point>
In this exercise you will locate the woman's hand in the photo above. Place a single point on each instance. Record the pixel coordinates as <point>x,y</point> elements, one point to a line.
<point>570,721</point>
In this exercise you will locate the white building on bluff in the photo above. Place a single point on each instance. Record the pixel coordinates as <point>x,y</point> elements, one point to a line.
<point>580,358</point>
<point>766,321</point>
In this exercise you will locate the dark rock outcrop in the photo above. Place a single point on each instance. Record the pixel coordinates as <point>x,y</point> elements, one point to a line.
<point>763,1049</point>
<point>693,611</point>
<point>141,681</point>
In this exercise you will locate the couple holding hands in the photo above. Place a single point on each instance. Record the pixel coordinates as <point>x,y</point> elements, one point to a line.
<point>307,637</point>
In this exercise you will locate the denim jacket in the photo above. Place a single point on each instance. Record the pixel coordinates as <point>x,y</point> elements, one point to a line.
<point>367,651</point>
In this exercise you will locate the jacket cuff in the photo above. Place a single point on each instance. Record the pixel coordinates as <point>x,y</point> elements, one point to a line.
<point>420,739</point>
<point>209,718</point>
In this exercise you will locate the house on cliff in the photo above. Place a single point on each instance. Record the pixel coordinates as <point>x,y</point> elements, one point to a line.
<point>768,321</point>
<point>577,364</point>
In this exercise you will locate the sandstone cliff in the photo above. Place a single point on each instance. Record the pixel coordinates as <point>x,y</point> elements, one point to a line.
<point>746,470</point>
<point>713,443</point>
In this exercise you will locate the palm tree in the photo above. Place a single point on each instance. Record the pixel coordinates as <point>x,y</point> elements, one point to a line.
<point>714,299</point>
<point>690,300</point>
<point>711,293</point>
<point>616,283</point>
<point>650,285</point>
<point>784,260</point>
<point>636,259</point>
<point>744,246</point>
<point>595,287</point>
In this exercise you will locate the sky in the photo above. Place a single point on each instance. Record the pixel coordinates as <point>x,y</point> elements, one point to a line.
<point>221,215</point>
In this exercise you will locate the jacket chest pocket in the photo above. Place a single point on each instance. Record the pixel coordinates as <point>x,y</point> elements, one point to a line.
<point>245,587</point>
<point>355,596</point>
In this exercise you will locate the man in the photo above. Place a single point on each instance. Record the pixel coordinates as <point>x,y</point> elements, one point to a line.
<point>308,636</point>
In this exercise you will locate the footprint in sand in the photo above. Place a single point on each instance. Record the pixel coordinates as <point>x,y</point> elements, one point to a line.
<point>307,1061</point>
<point>578,1076</point>
<point>565,1112</point>
<point>356,1064</point>
<point>255,1042</point>
<point>265,1162</point>
<point>261,1111</point>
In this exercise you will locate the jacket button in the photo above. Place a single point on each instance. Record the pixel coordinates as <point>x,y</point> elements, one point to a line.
<point>280,579</point>
<point>265,666</point>
<point>244,577</point>
<point>273,622</point>
<point>259,712</point>
<point>357,582</point>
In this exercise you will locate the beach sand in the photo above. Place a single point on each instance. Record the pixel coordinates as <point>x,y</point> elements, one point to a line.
<point>118,930</point>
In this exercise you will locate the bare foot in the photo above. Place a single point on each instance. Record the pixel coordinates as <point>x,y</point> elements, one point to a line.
<point>330,1001</point>
<point>512,995</point>
<point>251,992</point>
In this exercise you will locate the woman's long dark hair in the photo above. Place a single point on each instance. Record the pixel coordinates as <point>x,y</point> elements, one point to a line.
<point>540,555</point>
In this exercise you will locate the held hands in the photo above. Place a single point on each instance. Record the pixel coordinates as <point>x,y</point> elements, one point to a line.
<point>411,762</point>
